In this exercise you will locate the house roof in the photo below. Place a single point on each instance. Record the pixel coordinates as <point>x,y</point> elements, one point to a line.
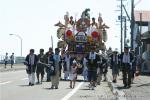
<point>145,16</point>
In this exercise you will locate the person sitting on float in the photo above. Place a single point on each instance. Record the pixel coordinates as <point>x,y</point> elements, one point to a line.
<point>71,21</point>
<point>94,24</point>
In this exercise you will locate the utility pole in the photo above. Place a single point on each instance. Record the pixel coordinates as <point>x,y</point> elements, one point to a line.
<point>121,26</point>
<point>132,22</point>
<point>125,30</point>
<point>140,48</point>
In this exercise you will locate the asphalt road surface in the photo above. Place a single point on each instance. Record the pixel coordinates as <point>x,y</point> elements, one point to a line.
<point>14,86</point>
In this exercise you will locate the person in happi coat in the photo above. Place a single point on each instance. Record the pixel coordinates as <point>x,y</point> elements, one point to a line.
<point>31,63</point>
<point>126,60</point>
<point>92,67</point>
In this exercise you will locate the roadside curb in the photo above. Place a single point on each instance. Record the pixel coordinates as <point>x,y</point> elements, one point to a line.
<point>120,95</point>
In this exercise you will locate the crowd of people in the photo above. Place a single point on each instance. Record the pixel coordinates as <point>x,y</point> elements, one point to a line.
<point>128,63</point>
<point>91,66</point>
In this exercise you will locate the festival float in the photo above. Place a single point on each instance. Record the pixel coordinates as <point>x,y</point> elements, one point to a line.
<point>79,36</point>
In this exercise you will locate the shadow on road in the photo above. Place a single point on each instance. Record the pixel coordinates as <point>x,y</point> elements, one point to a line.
<point>48,89</point>
<point>147,84</point>
<point>25,85</point>
<point>78,80</point>
<point>85,89</point>
<point>122,87</point>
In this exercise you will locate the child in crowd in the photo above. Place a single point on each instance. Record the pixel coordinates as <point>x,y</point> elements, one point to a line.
<point>73,74</point>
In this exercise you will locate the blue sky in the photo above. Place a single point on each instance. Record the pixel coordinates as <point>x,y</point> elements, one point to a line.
<point>34,21</point>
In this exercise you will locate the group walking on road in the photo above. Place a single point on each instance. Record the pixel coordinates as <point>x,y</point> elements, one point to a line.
<point>54,64</point>
<point>93,66</point>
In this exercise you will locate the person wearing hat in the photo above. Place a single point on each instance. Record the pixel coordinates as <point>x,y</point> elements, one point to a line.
<point>126,61</point>
<point>114,64</point>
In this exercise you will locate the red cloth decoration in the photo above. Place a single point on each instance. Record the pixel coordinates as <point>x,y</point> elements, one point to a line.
<point>69,33</point>
<point>94,34</point>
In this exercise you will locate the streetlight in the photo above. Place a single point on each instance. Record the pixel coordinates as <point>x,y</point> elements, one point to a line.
<point>20,40</point>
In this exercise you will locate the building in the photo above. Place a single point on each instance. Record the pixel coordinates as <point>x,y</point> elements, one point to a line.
<point>142,38</point>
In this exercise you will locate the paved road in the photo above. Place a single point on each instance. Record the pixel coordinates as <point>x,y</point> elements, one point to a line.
<point>8,68</point>
<point>14,86</point>
<point>140,89</point>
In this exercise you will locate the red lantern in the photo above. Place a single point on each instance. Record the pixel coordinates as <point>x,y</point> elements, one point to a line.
<point>94,34</point>
<point>69,33</point>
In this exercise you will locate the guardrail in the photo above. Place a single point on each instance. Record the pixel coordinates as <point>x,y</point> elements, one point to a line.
<point>18,59</point>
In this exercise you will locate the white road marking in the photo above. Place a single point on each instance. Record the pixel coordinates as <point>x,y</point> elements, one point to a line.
<point>5,82</point>
<point>24,79</point>
<point>12,72</point>
<point>72,92</point>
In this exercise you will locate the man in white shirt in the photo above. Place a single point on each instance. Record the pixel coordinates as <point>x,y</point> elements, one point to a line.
<point>126,59</point>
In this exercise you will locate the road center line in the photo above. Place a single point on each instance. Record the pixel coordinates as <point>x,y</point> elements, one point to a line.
<point>72,92</point>
<point>5,82</point>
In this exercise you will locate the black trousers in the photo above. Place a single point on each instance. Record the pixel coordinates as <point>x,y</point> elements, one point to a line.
<point>126,70</point>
